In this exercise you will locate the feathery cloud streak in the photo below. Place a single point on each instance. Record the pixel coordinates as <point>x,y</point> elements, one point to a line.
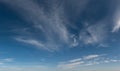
<point>52,25</point>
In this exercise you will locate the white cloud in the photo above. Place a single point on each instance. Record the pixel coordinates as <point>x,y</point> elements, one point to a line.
<point>30,41</point>
<point>75,60</point>
<point>93,34</point>
<point>79,62</point>
<point>52,23</point>
<point>106,61</point>
<point>110,61</point>
<point>103,45</point>
<point>91,57</point>
<point>33,42</point>
<point>6,60</point>
<point>114,60</point>
<point>89,60</point>
<point>116,21</point>
<point>117,26</point>
<point>75,41</point>
<point>70,65</point>
<point>91,63</point>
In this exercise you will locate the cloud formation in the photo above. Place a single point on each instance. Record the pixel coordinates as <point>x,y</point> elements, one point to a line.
<point>89,60</point>
<point>6,60</point>
<point>37,44</point>
<point>52,27</point>
<point>91,57</point>
<point>51,24</point>
<point>116,21</point>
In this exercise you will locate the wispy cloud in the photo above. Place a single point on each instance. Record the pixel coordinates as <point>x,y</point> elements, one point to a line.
<point>75,41</point>
<point>92,34</point>
<point>50,24</point>
<point>116,27</point>
<point>78,62</point>
<point>91,57</point>
<point>53,25</point>
<point>89,60</point>
<point>108,60</point>
<point>34,42</point>
<point>116,21</point>
<point>75,60</point>
<point>70,65</point>
<point>6,60</point>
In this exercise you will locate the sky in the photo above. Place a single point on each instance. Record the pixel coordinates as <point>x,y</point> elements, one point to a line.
<point>59,35</point>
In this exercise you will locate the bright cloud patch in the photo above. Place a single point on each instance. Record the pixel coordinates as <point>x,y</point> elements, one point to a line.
<point>116,21</point>
<point>86,61</point>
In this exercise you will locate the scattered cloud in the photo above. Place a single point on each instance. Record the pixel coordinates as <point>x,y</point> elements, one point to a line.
<point>116,27</point>
<point>6,60</point>
<point>30,41</point>
<point>70,65</point>
<point>53,26</point>
<point>89,60</point>
<point>91,57</point>
<point>113,60</point>
<point>75,60</point>
<point>116,21</point>
<point>33,42</point>
<point>91,63</point>
<point>50,24</point>
<point>92,34</point>
<point>103,45</point>
<point>75,41</point>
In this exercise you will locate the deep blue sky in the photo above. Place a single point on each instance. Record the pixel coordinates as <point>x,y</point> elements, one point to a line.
<point>48,35</point>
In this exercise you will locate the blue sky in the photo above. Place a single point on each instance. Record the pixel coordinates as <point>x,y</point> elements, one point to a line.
<point>55,35</point>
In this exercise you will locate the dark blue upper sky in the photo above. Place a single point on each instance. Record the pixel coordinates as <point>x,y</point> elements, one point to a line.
<point>61,34</point>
